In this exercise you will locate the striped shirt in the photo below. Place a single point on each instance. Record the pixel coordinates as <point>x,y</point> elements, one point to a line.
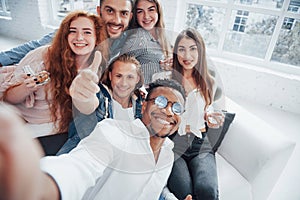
<point>146,50</point>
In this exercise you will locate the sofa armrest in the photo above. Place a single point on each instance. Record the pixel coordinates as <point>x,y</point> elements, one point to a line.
<point>256,149</point>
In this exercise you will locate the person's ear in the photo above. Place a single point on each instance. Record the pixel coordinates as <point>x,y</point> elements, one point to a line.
<point>144,105</point>
<point>98,9</point>
<point>137,80</point>
<point>109,76</point>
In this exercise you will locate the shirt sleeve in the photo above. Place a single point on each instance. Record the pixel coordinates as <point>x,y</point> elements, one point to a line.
<point>77,171</point>
<point>14,55</point>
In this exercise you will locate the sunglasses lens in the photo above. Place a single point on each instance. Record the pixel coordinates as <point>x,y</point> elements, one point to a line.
<point>177,108</point>
<point>161,101</point>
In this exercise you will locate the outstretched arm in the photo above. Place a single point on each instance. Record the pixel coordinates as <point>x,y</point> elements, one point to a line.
<point>20,174</point>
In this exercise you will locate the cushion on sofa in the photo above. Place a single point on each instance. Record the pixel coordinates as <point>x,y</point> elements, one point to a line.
<point>257,150</point>
<point>232,185</point>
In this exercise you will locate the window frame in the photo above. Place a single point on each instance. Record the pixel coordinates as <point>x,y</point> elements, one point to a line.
<point>229,6</point>
<point>4,12</point>
<point>54,20</point>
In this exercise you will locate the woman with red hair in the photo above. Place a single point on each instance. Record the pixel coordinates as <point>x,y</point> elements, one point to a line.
<point>46,106</point>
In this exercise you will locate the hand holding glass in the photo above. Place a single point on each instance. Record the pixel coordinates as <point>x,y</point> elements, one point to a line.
<point>215,118</point>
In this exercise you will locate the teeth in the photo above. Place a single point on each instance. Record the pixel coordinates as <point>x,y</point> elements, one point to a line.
<point>163,121</point>
<point>114,27</point>
<point>80,45</point>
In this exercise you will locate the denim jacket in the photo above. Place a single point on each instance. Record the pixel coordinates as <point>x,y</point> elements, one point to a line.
<point>82,125</point>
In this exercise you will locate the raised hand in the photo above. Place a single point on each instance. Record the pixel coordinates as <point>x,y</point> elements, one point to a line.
<point>166,64</point>
<point>215,119</point>
<point>85,85</point>
<point>31,83</point>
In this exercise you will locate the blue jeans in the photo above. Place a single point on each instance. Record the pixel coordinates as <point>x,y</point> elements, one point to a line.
<point>161,197</point>
<point>194,171</point>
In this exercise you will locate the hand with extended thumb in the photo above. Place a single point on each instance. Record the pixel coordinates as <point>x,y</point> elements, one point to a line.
<point>85,86</point>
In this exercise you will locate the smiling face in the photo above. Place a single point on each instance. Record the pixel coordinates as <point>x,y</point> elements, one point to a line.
<point>162,121</point>
<point>82,36</point>
<point>147,14</point>
<point>124,78</point>
<point>116,15</point>
<point>187,53</point>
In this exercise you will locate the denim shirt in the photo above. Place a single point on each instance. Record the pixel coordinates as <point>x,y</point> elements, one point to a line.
<point>14,55</point>
<point>82,125</point>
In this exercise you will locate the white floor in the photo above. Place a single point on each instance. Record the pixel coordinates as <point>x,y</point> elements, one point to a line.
<point>288,123</point>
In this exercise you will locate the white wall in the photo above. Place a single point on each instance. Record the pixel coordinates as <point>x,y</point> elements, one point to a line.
<point>240,81</point>
<point>25,22</point>
<point>29,18</point>
<point>259,85</point>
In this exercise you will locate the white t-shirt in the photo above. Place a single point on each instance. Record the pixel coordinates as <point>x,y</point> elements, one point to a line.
<point>121,113</point>
<point>114,162</point>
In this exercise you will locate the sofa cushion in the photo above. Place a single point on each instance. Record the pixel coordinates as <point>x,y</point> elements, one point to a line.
<point>232,185</point>
<point>258,151</point>
<point>52,143</point>
<point>216,136</point>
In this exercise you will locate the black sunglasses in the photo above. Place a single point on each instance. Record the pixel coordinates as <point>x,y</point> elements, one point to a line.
<point>162,102</point>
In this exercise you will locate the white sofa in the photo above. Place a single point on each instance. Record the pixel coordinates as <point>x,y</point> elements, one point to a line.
<point>251,157</point>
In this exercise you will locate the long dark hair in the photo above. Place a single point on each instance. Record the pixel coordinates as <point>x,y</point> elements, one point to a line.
<point>204,81</point>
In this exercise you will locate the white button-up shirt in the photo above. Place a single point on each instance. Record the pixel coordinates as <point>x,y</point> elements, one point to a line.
<point>114,162</point>
<point>194,114</point>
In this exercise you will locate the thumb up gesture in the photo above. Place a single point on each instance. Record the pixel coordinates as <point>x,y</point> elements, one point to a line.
<point>85,86</point>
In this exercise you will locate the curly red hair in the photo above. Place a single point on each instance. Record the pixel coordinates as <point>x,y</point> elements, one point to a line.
<point>60,62</point>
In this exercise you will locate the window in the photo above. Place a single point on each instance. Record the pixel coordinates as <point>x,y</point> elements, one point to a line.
<point>4,8</point>
<point>266,32</point>
<point>240,21</point>
<point>294,6</point>
<point>62,7</point>
<point>287,46</point>
<point>288,23</point>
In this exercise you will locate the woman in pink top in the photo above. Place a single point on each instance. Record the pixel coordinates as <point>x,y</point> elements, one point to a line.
<point>48,107</point>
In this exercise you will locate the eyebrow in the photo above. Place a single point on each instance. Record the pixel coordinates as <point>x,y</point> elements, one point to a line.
<point>109,7</point>
<point>147,8</point>
<point>152,7</point>
<point>82,29</point>
<point>194,45</point>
